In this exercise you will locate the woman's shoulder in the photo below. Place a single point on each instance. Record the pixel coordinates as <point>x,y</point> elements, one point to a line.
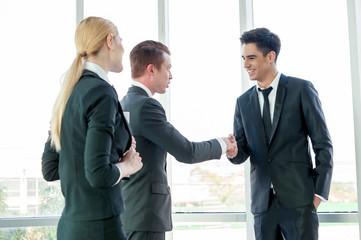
<point>95,85</point>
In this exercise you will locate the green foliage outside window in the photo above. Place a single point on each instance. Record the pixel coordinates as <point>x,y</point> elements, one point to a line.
<point>51,203</point>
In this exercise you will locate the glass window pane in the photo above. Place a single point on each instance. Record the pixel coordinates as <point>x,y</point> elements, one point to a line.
<point>38,47</point>
<point>206,82</point>
<point>339,231</point>
<point>40,233</point>
<point>31,82</point>
<point>137,20</point>
<point>209,231</point>
<point>316,48</point>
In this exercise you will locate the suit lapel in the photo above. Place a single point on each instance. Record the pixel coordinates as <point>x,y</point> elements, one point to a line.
<point>124,119</point>
<point>125,122</point>
<point>129,130</point>
<point>280,97</point>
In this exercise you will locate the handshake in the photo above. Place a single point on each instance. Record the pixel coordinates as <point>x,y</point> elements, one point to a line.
<point>231,143</point>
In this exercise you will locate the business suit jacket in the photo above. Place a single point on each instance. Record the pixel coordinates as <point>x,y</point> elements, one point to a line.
<point>147,194</point>
<point>94,136</point>
<point>285,159</point>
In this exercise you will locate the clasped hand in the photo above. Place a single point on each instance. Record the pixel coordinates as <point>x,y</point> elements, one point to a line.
<point>131,162</point>
<point>231,143</point>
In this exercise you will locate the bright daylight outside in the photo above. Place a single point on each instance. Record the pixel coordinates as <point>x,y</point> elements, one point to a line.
<point>206,67</point>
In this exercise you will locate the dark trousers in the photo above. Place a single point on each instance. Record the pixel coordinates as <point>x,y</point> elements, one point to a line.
<point>280,223</point>
<point>146,235</point>
<point>106,229</point>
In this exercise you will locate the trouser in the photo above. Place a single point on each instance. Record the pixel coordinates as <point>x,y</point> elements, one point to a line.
<point>103,229</point>
<point>280,223</point>
<point>146,235</point>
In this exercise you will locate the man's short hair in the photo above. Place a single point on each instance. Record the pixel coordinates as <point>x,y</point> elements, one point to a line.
<point>145,53</point>
<point>265,40</point>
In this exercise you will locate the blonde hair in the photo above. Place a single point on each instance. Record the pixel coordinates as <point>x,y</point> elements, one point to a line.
<point>90,36</point>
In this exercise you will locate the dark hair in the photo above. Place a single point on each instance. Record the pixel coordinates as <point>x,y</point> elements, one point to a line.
<point>265,40</point>
<point>145,53</point>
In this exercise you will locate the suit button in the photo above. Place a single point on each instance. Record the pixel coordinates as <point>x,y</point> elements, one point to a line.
<point>269,160</point>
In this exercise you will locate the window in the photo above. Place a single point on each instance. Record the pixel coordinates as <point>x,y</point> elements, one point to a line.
<point>41,49</point>
<point>38,48</point>
<point>136,21</point>
<point>205,51</point>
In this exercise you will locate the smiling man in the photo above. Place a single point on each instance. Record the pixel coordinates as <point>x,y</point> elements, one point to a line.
<point>147,194</point>
<point>273,122</point>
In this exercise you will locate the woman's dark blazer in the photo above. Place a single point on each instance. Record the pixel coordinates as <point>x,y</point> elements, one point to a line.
<point>94,136</point>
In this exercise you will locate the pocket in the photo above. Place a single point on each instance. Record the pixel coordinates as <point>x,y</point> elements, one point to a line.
<point>300,169</point>
<point>313,208</point>
<point>301,164</point>
<point>160,188</point>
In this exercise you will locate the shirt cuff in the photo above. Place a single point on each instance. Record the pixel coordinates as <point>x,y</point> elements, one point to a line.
<point>223,145</point>
<point>120,176</point>
<point>322,199</point>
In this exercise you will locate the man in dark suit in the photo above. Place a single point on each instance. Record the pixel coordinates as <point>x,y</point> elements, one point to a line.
<point>147,194</point>
<point>273,123</point>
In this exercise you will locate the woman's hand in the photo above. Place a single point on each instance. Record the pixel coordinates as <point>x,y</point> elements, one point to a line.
<point>131,162</point>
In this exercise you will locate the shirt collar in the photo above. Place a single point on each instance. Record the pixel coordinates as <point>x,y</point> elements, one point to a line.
<point>274,83</point>
<point>96,69</point>
<point>142,86</point>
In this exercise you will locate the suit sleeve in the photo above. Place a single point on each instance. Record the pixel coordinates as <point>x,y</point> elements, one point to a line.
<point>238,131</point>
<point>156,128</point>
<point>50,162</point>
<point>320,138</point>
<point>100,114</point>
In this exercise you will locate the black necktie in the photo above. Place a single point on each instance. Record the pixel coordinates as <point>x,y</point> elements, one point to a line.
<point>266,112</point>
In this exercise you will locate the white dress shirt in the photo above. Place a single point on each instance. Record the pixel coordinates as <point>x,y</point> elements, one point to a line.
<point>96,69</point>
<point>271,96</point>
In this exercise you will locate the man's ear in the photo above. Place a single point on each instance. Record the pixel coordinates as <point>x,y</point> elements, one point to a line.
<point>271,56</point>
<point>150,69</point>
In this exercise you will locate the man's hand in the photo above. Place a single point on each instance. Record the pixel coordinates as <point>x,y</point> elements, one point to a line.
<point>232,149</point>
<point>316,202</point>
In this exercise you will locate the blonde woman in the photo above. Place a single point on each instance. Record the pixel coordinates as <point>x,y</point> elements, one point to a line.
<point>90,148</point>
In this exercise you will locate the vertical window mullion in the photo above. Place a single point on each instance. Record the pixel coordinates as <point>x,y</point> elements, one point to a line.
<point>354,23</point>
